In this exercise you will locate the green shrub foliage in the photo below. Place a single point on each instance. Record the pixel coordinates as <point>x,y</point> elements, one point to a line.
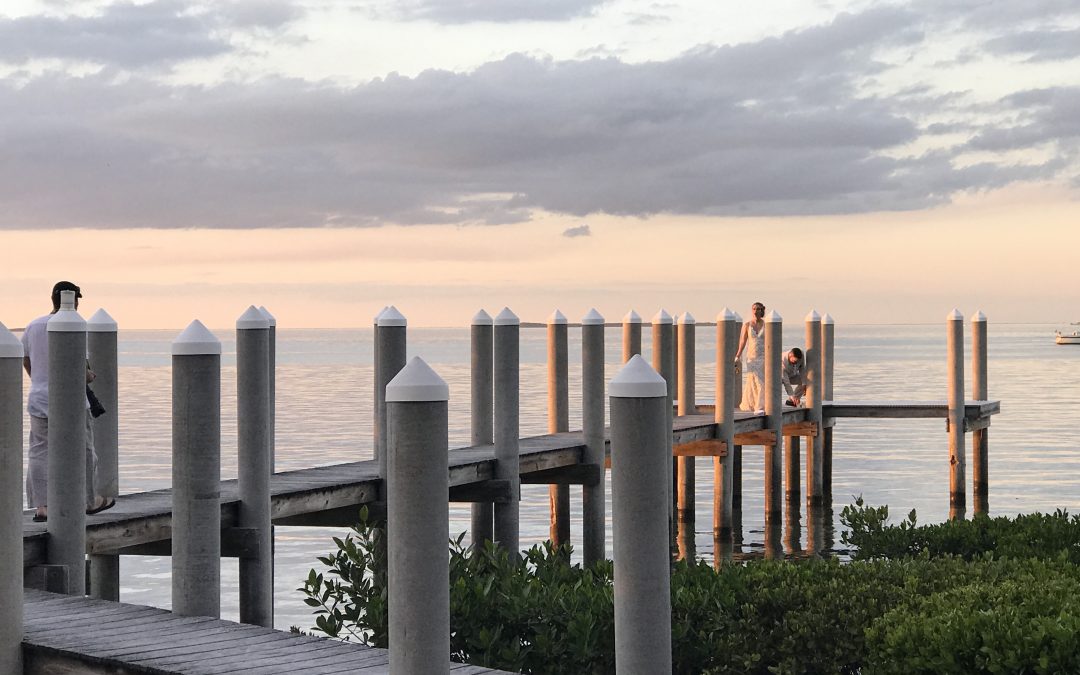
<point>926,611</point>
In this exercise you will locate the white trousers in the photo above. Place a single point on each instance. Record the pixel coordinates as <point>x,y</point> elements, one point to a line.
<point>37,471</point>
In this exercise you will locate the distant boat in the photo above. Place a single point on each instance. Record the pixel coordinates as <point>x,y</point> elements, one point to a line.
<point>1062,339</point>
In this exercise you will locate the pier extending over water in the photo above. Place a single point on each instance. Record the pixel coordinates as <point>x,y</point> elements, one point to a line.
<point>203,518</point>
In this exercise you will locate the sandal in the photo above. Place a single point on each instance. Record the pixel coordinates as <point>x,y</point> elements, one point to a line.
<point>106,504</point>
<point>39,518</point>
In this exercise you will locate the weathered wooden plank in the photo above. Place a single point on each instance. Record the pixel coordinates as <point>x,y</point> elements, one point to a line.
<point>706,448</point>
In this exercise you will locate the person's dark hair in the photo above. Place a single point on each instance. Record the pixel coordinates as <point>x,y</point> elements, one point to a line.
<point>797,352</point>
<point>63,286</point>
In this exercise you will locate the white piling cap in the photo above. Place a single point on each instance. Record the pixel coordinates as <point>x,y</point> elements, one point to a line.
<point>827,319</point>
<point>813,316</point>
<point>593,318</point>
<point>637,379</point>
<point>507,318</point>
<point>686,318</point>
<point>774,317</point>
<point>979,317</point>
<point>67,319</point>
<point>417,383</point>
<point>392,317</point>
<point>252,319</point>
<point>727,315</point>
<point>481,318</point>
<point>10,346</point>
<point>955,315</point>
<point>738,317</point>
<point>662,317</point>
<point>556,317</point>
<point>196,339</point>
<point>269,317</point>
<point>632,317</point>
<point>101,322</point>
<point>376,319</point>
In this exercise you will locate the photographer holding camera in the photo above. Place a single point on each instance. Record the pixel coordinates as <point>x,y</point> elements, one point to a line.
<point>35,341</point>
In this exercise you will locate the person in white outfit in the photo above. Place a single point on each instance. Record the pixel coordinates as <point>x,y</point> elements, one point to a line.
<point>752,341</point>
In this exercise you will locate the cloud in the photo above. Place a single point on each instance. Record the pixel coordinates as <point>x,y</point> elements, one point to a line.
<point>579,231</point>
<point>780,126</point>
<point>135,36</point>
<point>1038,45</point>
<point>496,11</point>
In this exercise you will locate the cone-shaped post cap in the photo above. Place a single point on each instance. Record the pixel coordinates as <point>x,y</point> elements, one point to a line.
<point>738,317</point>
<point>686,318</point>
<point>593,318</point>
<point>774,317</point>
<point>632,317</point>
<point>813,316</point>
<point>252,319</point>
<point>726,315</point>
<point>637,379</point>
<point>100,322</point>
<point>662,317</point>
<point>979,317</point>
<point>827,319</point>
<point>194,340</point>
<point>556,317</point>
<point>481,318</point>
<point>10,346</point>
<point>417,383</point>
<point>507,318</point>
<point>268,316</point>
<point>392,317</point>
<point>955,315</point>
<point>376,319</point>
<point>67,319</point>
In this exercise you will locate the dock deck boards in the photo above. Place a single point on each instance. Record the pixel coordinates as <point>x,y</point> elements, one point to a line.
<point>63,631</point>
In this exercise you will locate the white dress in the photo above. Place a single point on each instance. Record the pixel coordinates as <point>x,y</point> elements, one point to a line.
<point>754,387</point>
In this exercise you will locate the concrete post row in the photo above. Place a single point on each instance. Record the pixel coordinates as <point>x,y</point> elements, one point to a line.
<point>102,351</point>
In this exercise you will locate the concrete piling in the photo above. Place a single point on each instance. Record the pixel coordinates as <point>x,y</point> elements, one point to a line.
<point>102,351</point>
<point>67,491</point>
<point>558,420</point>
<point>774,336</point>
<point>506,338</point>
<point>391,352</point>
<point>272,365</point>
<point>378,386</point>
<point>417,513</point>
<point>663,362</point>
<point>815,445</point>
<point>980,438</point>
<point>686,382</point>
<point>592,422</point>
<point>736,451</point>
<point>638,395</point>
<point>828,346</point>
<point>727,341</point>
<point>11,519</point>
<point>196,472</point>
<point>480,415</point>
<point>631,335</point>
<point>256,578</point>
<point>955,374</point>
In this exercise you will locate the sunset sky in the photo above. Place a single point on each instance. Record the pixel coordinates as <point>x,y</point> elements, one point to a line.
<point>883,162</point>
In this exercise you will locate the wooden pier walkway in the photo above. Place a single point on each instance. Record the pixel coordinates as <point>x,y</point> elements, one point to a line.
<point>65,634</point>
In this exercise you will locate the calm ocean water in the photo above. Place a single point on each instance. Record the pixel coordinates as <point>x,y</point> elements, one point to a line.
<point>324,417</point>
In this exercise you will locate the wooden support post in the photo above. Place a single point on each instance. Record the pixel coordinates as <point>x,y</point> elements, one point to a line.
<point>642,566</point>
<point>828,359</point>
<point>101,351</point>
<point>663,362</point>
<point>481,421</point>
<point>980,438</point>
<point>592,421</point>
<point>727,341</point>
<point>11,518</point>
<point>506,338</point>
<point>558,421</point>
<point>631,335</point>
<point>68,493</point>
<point>687,364</point>
<point>955,373</point>
<point>417,512</point>
<point>774,468</point>
<point>256,574</point>
<point>815,445</point>
<point>196,473</point>
<point>792,467</point>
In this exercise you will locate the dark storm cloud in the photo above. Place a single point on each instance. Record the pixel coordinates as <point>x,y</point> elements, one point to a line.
<point>775,127</point>
<point>498,11</point>
<point>134,36</point>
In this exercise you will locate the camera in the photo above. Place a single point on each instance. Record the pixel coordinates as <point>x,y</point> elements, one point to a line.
<point>96,409</point>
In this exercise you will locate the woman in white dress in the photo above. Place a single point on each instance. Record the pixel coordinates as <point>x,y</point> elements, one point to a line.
<point>752,341</point>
